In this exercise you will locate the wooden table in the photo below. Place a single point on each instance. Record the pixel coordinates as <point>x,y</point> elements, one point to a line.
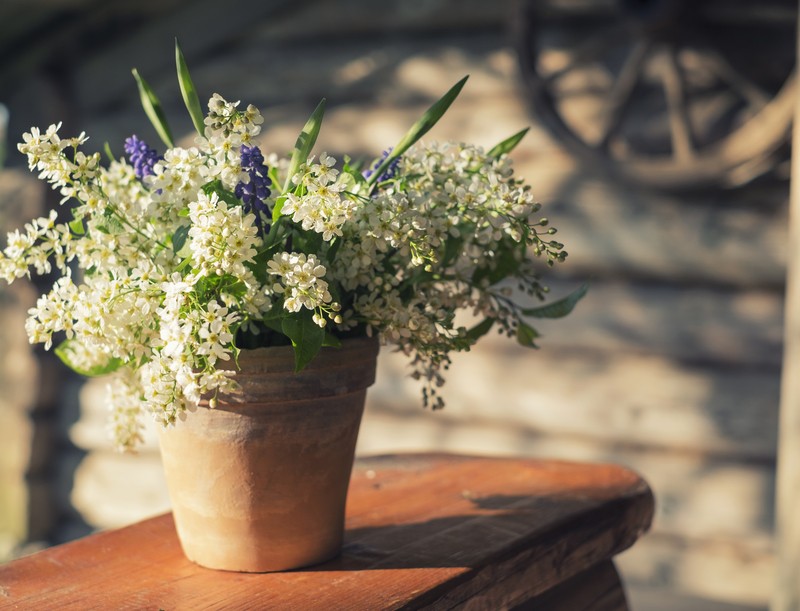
<point>423,532</point>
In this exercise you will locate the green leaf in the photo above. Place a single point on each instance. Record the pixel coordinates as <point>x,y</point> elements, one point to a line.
<point>333,249</point>
<point>306,335</point>
<point>272,319</point>
<point>508,145</point>
<point>76,227</point>
<point>560,308</point>
<point>188,90</point>
<point>505,264</point>
<point>354,168</point>
<point>348,181</point>
<point>272,173</point>
<point>452,249</point>
<point>153,110</point>
<point>305,142</point>
<point>331,341</point>
<point>107,150</point>
<point>65,351</point>
<point>275,237</point>
<point>309,242</point>
<point>238,289</point>
<point>111,224</point>
<point>526,335</point>
<point>481,329</point>
<point>179,238</point>
<point>185,263</point>
<point>420,128</point>
<point>277,208</point>
<point>215,186</point>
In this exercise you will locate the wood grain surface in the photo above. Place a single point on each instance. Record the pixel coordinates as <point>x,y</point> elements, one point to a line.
<point>423,531</point>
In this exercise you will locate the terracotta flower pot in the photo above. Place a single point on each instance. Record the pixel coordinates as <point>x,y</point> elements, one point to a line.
<point>259,483</point>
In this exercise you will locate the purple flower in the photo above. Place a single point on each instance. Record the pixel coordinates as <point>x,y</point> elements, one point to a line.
<point>141,156</point>
<point>255,191</point>
<point>389,172</point>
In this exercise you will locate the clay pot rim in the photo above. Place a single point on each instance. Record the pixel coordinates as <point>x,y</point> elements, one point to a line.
<point>280,359</point>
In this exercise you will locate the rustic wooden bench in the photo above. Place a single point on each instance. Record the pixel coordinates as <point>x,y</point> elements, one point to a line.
<point>425,531</point>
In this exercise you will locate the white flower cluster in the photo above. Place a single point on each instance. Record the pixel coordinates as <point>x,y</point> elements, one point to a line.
<point>189,257</point>
<point>301,282</point>
<point>222,238</point>
<point>320,206</point>
<point>172,379</point>
<point>145,309</point>
<point>460,216</point>
<point>179,177</point>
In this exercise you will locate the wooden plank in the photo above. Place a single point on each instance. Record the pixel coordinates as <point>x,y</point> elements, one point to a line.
<point>20,195</point>
<point>598,589</point>
<point>374,95</point>
<point>150,49</point>
<point>713,524</point>
<point>610,229</point>
<point>286,30</point>
<point>39,37</point>
<point>787,590</point>
<point>699,496</point>
<point>609,234</point>
<point>400,72</point>
<point>630,398</point>
<point>659,598</point>
<point>358,18</point>
<point>733,237</point>
<point>21,198</point>
<point>615,398</point>
<point>714,327</point>
<point>733,572</point>
<point>111,489</point>
<point>15,433</point>
<point>710,334</point>
<point>613,230</point>
<point>425,531</point>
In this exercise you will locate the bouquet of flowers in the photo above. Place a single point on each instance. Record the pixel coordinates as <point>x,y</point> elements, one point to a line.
<point>172,262</point>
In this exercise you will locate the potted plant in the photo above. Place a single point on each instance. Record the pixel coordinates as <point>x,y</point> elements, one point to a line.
<point>239,298</point>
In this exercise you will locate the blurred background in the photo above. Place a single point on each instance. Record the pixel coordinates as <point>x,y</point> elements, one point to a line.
<point>659,148</point>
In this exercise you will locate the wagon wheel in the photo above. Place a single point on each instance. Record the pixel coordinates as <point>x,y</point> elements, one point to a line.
<point>674,94</point>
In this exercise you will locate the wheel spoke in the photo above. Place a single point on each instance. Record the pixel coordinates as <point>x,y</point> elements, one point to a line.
<point>679,124</point>
<point>749,91</point>
<point>779,16</point>
<point>591,49</point>
<point>683,108</point>
<point>549,13</point>
<point>622,90</point>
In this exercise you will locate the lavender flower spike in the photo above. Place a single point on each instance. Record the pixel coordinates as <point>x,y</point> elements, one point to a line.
<point>141,156</point>
<point>255,191</point>
<point>390,171</point>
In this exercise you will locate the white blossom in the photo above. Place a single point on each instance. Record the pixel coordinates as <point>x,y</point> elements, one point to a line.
<point>300,280</point>
<point>160,275</point>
